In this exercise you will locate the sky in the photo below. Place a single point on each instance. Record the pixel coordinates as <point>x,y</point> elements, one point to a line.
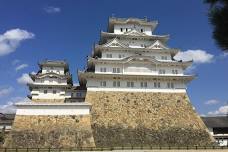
<point>31,31</point>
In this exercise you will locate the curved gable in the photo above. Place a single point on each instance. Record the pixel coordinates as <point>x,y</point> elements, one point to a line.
<point>115,43</point>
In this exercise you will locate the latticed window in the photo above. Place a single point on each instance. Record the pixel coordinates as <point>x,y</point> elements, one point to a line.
<point>79,94</point>
<point>157,85</point>
<point>170,85</point>
<point>102,69</point>
<point>130,84</point>
<point>143,84</point>
<point>109,55</point>
<point>164,57</point>
<point>103,83</point>
<point>161,71</point>
<point>116,70</point>
<point>116,83</point>
<point>174,71</point>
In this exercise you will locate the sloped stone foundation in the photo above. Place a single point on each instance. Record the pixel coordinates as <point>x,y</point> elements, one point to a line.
<point>134,118</point>
<point>50,131</point>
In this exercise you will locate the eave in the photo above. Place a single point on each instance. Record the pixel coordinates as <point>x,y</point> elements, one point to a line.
<point>32,85</point>
<point>55,63</point>
<point>119,21</point>
<point>105,35</point>
<point>173,51</point>
<point>83,76</point>
<point>143,59</point>
<point>50,75</point>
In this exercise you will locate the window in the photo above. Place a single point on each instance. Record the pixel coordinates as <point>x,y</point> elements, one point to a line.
<point>58,71</point>
<point>121,55</point>
<point>174,71</point>
<point>54,91</point>
<point>143,84</point>
<point>157,84</point>
<point>126,29</point>
<point>103,83</point>
<point>142,45</point>
<point>102,69</point>
<point>130,84</point>
<point>79,94</point>
<point>164,57</point>
<point>42,81</point>
<point>141,30</point>
<point>116,70</point>
<point>116,83</point>
<point>52,68</point>
<point>161,71</point>
<point>170,85</point>
<point>108,55</point>
<point>121,29</point>
<point>51,80</point>
<point>45,91</point>
<point>72,94</point>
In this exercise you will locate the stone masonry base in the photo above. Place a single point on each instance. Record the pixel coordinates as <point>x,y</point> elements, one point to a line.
<point>140,119</point>
<point>50,131</point>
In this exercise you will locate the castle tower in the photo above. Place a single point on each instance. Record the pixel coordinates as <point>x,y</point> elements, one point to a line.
<point>57,115</point>
<point>138,90</point>
<point>51,82</point>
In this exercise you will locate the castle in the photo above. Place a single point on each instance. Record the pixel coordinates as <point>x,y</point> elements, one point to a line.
<point>132,92</point>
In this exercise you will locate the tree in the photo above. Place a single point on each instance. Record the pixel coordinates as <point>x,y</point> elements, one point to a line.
<point>218,16</point>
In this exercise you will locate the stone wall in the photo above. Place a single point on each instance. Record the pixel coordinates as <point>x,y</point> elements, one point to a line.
<point>124,118</point>
<point>51,131</point>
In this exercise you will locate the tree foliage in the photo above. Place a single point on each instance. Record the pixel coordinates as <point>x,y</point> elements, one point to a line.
<point>218,16</point>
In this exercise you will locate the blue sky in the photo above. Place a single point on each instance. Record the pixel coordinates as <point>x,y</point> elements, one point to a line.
<point>59,29</point>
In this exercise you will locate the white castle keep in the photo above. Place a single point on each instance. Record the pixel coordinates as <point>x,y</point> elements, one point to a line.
<point>129,57</point>
<point>53,93</point>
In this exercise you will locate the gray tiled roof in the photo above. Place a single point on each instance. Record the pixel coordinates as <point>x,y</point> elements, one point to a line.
<point>216,121</point>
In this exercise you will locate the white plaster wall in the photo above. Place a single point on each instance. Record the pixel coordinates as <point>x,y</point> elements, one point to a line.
<point>137,69</point>
<point>147,29</point>
<point>58,70</point>
<point>109,68</point>
<point>48,80</point>
<point>53,110</point>
<point>76,94</point>
<point>39,93</point>
<point>115,54</point>
<point>93,83</point>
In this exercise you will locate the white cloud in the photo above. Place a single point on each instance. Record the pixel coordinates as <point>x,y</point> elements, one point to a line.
<point>16,61</point>
<point>33,72</point>
<point>212,102</point>
<point>24,79</point>
<point>11,39</point>
<point>9,107</point>
<point>21,66</point>
<point>52,9</point>
<point>220,111</point>
<point>5,91</point>
<point>198,56</point>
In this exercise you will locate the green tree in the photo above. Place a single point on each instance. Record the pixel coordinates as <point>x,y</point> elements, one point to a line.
<point>218,16</point>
